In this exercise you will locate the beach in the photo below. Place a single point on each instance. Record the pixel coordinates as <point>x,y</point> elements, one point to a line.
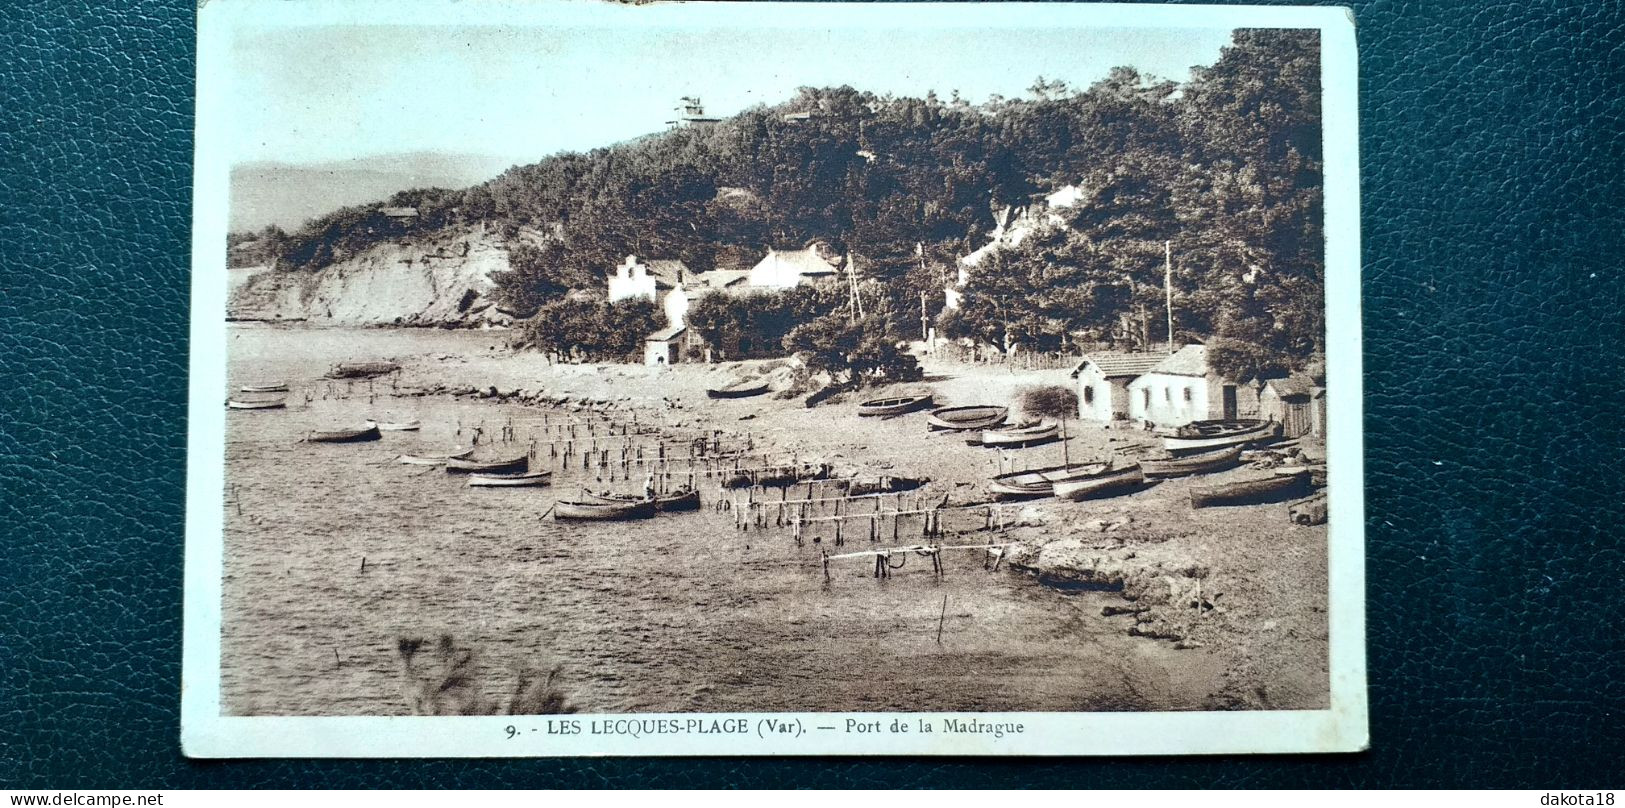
<point>336,553</point>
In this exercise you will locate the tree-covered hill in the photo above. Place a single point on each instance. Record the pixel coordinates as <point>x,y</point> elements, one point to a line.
<point>1226,167</point>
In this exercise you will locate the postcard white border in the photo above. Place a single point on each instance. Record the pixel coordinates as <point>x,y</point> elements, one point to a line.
<point>205,733</point>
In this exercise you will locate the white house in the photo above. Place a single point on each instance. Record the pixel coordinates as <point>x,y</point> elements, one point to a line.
<point>1103,383</point>
<point>650,280</point>
<point>790,268</point>
<point>1181,389</point>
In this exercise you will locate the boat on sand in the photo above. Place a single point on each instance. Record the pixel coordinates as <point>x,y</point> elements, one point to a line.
<point>434,460</point>
<point>514,465</point>
<point>1273,488</point>
<point>1017,436</point>
<point>744,389</point>
<point>1202,463</point>
<point>360,434</point>
<point>1040,482</point>
<point>256,404</point>
<point>895,405</point>
<point>523,479</point>
<point>1109,483</point>
<point>973,417</point>
<point>1205,435</point>
<point>674,501</point>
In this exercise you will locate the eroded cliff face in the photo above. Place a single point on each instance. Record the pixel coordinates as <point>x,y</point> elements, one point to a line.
<point>439,280</point>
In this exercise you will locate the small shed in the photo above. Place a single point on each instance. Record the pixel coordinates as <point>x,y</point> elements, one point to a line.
<point>664,347</point>
<point>1103,380</point>
<point>1317,412</point>
<point>1289,402</point>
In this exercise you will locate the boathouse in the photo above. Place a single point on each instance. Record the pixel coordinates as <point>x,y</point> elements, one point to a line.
<point>1290,403</point>
<point>1103,383</point>
<point>1182,388</point>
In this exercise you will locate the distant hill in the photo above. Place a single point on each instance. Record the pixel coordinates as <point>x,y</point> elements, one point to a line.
<point>287,194</point>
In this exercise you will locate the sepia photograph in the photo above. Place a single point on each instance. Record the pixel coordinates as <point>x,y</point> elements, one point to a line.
<point>831,379</point>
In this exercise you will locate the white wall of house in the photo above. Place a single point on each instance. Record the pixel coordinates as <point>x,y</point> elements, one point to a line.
<point>632,279</point>
<point>676,306</point>
<point>772,272</point>
<point>1168,400</point>
<point>1094,395</point>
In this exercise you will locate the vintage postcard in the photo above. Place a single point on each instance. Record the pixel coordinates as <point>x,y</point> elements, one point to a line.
<point>583,378</point>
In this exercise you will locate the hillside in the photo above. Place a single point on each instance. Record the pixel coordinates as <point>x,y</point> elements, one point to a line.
<point>1225,169</point>
<point>287,195</point>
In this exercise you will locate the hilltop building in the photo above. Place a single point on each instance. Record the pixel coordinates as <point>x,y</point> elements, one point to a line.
<point>690,113</point>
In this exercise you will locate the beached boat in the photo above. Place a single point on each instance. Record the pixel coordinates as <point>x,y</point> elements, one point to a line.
<point>434,460</point>
<point>400,426</point>
<point>256,404</point>
<point>604,511</point>
<point>1192,464</point>
<point>744,389</point>
<point>360,434</point>
<point>515,465</point>
<point>1201,435</point>
<point>1040,482</point>
<point>896,405</point>
<point>1105,484</point>
<point>957,418</point>
<point>1017,436</point>
<point>674,501</point>
<point>523,479</point>
<point>264,387</point>
<point>1272,488</point>
<point>361,370</point>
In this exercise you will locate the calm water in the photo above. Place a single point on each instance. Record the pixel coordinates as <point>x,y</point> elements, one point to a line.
<point>681,613</point>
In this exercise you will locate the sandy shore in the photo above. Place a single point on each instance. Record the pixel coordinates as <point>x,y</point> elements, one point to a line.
<point>1243,583</point>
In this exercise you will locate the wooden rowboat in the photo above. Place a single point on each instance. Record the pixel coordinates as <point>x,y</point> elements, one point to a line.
<point>360,434</point>
<point>1106,484</point>
<point>1192,464</point>
<point>1040,482</point>
<point>675,501</point>
<point>604,511</point>
<point>1018,436</point>
<point>956,418</point>
<point>524,479</point>
<point>1200,435</point>
<point>744,389</point>
<point>1273,488</point>
<point>434,460</point>
<point>896,405</point>
<point>264,387</point>
<point>516,465</point>
<point>252,404</point>
<point>400,426</point>
<point>361,370</point>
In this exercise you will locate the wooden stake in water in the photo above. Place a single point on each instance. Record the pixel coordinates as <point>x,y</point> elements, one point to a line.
<point>941,618</point>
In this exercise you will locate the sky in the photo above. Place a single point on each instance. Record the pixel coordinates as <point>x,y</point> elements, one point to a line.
<point>323,93</point>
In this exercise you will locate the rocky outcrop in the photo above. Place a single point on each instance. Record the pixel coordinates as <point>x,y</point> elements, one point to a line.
<point>440,280</point>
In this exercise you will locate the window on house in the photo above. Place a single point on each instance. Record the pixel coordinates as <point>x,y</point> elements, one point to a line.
<point>1088,395</point>
<point>1188,395</point>
<point>1168,395</point>
<point>1147,392</point>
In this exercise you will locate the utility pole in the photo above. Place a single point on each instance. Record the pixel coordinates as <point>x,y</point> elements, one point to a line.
<point>1168,288</point>
<point>925,334</point>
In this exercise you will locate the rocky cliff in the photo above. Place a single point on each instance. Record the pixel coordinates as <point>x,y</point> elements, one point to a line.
<point>436,280</point>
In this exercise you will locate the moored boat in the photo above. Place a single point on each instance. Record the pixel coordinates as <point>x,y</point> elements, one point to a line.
<point>1202,463</point>
<point>1017,436</point>
<point>1272,488</point>
<point>361,370</point>
<point>264,387</point>
<point>1200,435</point>
<point>743,389</point>
<point>674,501</point>
<point>973,417</point>
<point>360,434</point>
<point>515,465</point>
<point>400,426</point>
<point>895,405</point>
<point>1040,482</point>
<point>604,511</point>
<point>522,479</point>
<point>1105,484</point>
<point>256,404</point>
<point>434,460</point>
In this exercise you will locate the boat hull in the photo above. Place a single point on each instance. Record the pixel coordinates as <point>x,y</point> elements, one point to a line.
<point>742,390</point>
<point>530,479</point>
<point>256,405</point>
<point>685,501</point>
<point>263,388</point>
<point>1201,463</point>
<point>1039,482</point>
<point>517,465</point>
<point>1112,483</point>
<point>1273,488</point>
<point>434,460</point>
<point>603,511</point>
<point>966,418</point>
<point>1220,438</point>
<point>893,406</point>
<point>362,435</point>
<point>1017,438</point>
<point>405,426</point>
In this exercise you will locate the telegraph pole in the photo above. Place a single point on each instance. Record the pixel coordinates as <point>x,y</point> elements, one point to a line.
<point>1168,288</point>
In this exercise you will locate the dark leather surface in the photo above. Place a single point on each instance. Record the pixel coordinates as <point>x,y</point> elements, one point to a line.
<point>1491,154</point>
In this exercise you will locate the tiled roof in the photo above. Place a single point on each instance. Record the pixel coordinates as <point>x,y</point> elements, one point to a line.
<point>1292,386</point>
<point>667,272</point>
<point>1190,360</point>
<point>1117,365</point>
<point>666,333</point>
